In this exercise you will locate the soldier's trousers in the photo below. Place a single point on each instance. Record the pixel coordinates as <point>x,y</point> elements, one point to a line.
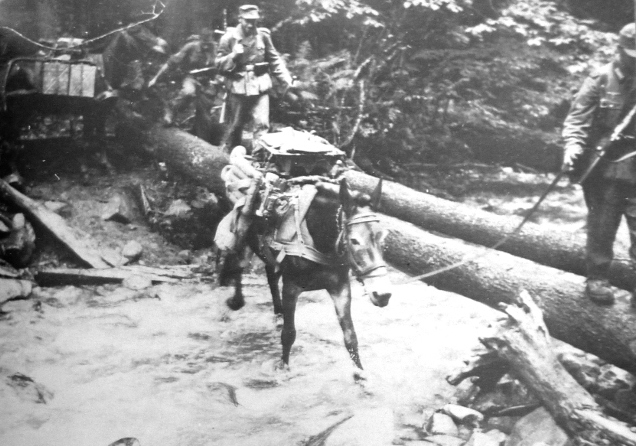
<point>242,109</point>
<point>607,202</point>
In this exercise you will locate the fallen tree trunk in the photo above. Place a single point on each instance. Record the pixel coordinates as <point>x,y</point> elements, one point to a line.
<point>563,250</point>
<point>98,276</point>
<point>74,239</point>
<point>492,277</point>
<point>523,342</point>
<point>188,155</point>
<point>558,249</point>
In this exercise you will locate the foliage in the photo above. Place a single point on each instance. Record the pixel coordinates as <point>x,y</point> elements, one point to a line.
<point>438,75</point>
<point>413,79</point>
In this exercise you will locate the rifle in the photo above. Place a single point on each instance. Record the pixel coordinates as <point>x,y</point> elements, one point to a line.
<point>210,70</point>
<point>606,143</point>
<point>224,105</point>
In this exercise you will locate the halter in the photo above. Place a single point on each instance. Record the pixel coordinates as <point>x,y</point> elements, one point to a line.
<point>343,250</point>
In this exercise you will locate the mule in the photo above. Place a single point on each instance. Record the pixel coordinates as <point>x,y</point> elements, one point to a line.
<point>346,231</point>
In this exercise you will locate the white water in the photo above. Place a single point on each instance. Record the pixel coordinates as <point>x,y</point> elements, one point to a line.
<point>121,364</point>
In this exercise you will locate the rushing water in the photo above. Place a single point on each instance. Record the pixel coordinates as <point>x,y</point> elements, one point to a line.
<point>172,366</point>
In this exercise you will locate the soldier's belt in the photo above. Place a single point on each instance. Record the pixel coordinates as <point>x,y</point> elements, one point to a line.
<point>257,68</point>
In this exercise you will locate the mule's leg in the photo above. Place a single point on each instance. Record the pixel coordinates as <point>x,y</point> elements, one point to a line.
<point>288,334</point>
<point>341,297</point>
<point>232,274</point>
<point>272,280</point>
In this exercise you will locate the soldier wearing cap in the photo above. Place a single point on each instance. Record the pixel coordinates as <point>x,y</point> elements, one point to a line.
<point>246,56</point>
<point>605,98</point>
<point>195,54</point>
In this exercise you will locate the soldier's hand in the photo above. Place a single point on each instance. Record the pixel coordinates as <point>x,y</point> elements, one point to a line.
<point>570,155</point>
<point>238,50</point>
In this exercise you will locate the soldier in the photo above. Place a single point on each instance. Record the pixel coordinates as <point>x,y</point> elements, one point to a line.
<point>245,57</point>
<point>604,99</point>
<point>195,54</point>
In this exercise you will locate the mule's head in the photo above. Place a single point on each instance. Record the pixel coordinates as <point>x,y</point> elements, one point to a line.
<point>363,241</point>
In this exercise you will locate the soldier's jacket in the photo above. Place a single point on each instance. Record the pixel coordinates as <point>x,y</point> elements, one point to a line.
<point>245,77</point>
<point>192,56</point>
<point>597,108</point>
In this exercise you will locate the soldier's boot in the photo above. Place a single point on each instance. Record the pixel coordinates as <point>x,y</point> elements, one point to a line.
<point>599,291</point>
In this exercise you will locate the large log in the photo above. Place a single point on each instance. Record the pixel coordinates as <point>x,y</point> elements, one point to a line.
<point>188,155</point>
<point>492,277</point>
<point>522,341</point>
<point>556,248</point>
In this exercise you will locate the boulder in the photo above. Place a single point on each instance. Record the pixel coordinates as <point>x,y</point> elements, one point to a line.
<point>442,424</point>
<point>463,415</point>
<point>132,251</point>
<point>120,208</point>
<point>538,427</point>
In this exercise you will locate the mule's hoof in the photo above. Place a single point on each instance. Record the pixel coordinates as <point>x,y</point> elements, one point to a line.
<point>280,366</point>
<point>234,304</point>
<point>360,375</point>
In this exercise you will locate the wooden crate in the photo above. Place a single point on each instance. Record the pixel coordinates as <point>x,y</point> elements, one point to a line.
<point>68,79</point>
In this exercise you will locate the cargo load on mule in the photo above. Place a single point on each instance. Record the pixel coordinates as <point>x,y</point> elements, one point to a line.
<point>282,173</point>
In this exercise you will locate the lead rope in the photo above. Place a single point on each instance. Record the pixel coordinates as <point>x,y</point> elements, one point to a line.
<point>488,250</point>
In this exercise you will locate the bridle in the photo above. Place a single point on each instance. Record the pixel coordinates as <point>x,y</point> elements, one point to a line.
<point>343,249</point>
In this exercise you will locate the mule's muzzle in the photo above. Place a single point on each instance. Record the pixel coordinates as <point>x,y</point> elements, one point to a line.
<point>379,290</point>
<point>380,300</point>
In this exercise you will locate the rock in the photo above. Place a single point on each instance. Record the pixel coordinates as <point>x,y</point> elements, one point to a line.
<point>120,208</point>
<point>19,246</point>
<point>59,207</point>
<point>127,441</point>
<point>445,440</point>
<point>612,380</point>
<point>4,229</point>
<point>462,415</point>
<point>178,208</point>
<point>442,424</point>
<point>28,389</point>
<point>132,251</point>
<point>536,428</point>
<point>14,288</point>
<point>369,427</point>
<point>137,282</point>
<point>491,438</point>
<point>185,255</point>
<point>504,424</point>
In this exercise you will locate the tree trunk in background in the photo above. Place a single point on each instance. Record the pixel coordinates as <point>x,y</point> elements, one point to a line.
<point>494,277</point>
<point>558,249</point>
<point>189,155</point>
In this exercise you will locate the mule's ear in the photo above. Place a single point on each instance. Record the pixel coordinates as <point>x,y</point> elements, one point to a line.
<point>346,200</point>
<point>376,196</point>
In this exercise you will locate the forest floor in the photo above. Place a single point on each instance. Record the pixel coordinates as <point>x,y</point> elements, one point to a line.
<point>172,365</point>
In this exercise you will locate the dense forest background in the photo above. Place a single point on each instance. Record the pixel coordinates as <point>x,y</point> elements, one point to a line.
<point>398,82</point>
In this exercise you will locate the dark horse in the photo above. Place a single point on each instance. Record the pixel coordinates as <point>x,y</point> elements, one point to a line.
<point>346,231</point>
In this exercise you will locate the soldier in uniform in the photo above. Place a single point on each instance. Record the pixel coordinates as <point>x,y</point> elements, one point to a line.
<point>246,56</point>
<point>196,54</point>
<point>605,98</point>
